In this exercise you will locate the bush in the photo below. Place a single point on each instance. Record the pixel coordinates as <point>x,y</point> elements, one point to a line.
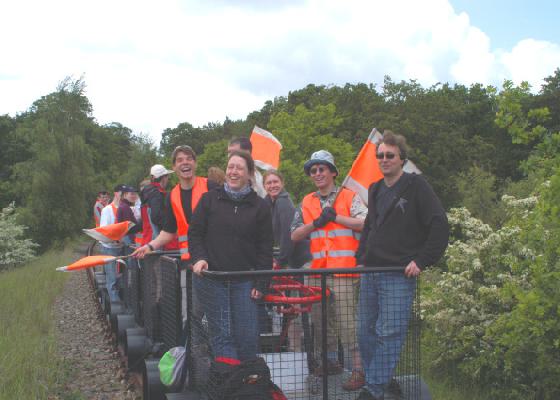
<point>14,248</point>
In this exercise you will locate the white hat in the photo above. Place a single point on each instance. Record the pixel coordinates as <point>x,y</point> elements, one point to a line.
<point>158,170</point>
<point>320,157</point>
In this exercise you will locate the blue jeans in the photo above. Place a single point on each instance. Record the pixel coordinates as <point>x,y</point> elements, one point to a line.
<point>383,315</point>
<point>111,272</point>
<point>232,317</point>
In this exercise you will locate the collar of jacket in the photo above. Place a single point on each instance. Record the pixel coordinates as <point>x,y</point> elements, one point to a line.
<point>250,198</point>
<point>283,194</point>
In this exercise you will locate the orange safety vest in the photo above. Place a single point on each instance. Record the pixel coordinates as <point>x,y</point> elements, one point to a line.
<point>334,245</point>
<point>97,213</point>
<point>199,188</point>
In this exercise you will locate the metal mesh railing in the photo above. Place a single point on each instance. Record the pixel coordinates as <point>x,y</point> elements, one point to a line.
<point>130,284</point>
<point>170,303</point>
<point>150,272</point>
<point>321,340</point>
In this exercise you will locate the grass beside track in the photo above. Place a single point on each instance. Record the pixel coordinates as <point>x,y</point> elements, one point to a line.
<point>29,365</point>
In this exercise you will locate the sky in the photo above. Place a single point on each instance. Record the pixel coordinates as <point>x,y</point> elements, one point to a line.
<point>152,65</point>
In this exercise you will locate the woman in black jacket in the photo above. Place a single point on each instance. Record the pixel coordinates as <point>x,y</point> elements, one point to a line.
<point>231,230</point>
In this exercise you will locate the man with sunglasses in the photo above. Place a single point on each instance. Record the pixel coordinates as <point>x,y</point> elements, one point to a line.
<point>406,226</point>
<point>332,219</point>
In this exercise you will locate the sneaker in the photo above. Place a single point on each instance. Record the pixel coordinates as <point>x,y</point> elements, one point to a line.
<point>366,395</point>
<point>394,388</point>
<point>333,368</point>
<point>356,381</point>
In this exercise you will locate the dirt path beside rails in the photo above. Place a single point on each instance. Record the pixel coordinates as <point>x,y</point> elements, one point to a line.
<point>84,343</point>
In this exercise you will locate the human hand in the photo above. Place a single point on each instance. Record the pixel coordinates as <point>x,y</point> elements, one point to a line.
<point>199,266</point>
<point>325,217</point>
<point>412,270</point>
<point>141,251</point>
<point>329,213</point>
<point>256,294</point>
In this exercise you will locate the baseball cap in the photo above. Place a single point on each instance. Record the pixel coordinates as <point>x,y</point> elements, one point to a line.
<point>127,188</point>
<point>158,170</point>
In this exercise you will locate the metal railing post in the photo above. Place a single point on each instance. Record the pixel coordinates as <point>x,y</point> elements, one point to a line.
<point>324,355</point>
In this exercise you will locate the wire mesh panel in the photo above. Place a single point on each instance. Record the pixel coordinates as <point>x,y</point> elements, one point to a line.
<point>130,286</point>
<point>170,303</point>
<point>326,337</point>
<point>150,269</point>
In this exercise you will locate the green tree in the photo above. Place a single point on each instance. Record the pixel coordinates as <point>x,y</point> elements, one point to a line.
<point>56,180</point>
<point>304,132</point>
<point>477,189</point>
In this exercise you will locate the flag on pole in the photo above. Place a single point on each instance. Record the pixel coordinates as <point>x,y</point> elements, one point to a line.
<point>87,262</point>
<point>109,233</point>
<point>266,149</point>
<point>365,169</point>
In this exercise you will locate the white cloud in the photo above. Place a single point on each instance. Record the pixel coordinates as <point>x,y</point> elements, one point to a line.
<point>153,66</point>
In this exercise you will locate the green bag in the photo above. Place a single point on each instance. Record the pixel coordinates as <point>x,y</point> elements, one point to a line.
<point>172,367</point>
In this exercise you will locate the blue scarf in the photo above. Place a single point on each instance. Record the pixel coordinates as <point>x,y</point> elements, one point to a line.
<point>237,195</point>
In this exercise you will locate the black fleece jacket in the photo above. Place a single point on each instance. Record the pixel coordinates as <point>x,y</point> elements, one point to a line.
<point>414,228</point>
<point>151,196</point>
<point>231,235</point>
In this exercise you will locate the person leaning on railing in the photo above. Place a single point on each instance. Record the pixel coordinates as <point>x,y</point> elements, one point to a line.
<point>231,230</point>
<point>406,226</point>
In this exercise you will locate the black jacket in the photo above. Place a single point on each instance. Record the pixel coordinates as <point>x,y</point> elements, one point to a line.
<point>153,198</point>
<point>231,235</point>
<point>414,228</point>
<point>291,254</point>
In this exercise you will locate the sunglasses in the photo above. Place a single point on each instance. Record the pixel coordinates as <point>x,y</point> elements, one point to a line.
<point>388,156</point>
<point>315,170</point>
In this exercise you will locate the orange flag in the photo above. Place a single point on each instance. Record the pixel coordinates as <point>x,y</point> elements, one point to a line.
<point>365,169</point>
<point>266,149</point>
<point>87,262</point>
<point>109,233</point>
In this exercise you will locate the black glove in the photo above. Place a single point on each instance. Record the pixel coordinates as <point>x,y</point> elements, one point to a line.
<point>327,215</point>
<point>330,213</point>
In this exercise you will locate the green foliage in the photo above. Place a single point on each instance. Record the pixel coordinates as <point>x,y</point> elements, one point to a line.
<point>15,249</point>
<point>523,126</point>
<point>58,175</point>
<point>215,155</point>
<point>28,356</point>
<point>477,189</point>
<point>493,316</point>
<point>54,159</point>
<point>304,132</point>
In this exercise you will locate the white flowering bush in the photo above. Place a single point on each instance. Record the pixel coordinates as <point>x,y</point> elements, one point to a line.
<point>484,269</point>
<point>15,249</point>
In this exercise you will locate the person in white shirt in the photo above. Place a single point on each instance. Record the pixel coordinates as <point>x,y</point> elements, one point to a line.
<point>109,217</point>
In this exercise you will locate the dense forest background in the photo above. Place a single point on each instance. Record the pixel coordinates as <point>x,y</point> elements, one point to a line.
<point>491,307</point>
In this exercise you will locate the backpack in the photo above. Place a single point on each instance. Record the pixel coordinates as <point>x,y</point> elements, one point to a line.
<point>249,380</point>
<point>172,367</point>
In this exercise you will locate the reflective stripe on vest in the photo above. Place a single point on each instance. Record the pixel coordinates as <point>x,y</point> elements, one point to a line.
<point>138,239</point>
<point>334,245</point>
<point>199,188</point>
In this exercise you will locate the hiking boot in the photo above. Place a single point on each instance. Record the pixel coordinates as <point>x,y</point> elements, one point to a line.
<point>394,388</point>
<point>333,368</point>
<point>366,395</point>
<point>356,381</point>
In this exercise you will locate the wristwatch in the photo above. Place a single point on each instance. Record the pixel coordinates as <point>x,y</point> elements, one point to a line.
<point>151,247</point>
